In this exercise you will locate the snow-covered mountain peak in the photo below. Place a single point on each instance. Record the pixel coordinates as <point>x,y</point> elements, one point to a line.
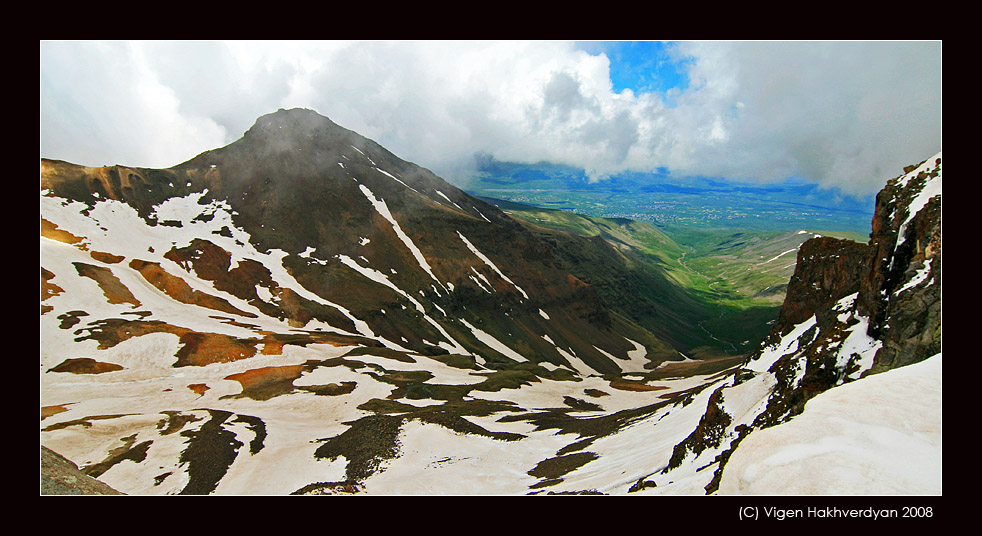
<point>301,311</point>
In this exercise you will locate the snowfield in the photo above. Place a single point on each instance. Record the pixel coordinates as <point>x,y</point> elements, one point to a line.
<point>880,435</point>
<point>274,422</point>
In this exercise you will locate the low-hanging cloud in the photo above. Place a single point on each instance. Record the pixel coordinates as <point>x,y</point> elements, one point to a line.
<point>843,114</point>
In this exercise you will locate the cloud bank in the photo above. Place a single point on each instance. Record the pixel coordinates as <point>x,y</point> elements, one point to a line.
<point>843,114</point>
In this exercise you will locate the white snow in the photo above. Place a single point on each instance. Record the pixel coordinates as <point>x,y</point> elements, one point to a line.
<point>487,261</point>
<point>858,345</point>
<point>383,210</point>
<point>779,256</point>
<point>787,344</point>
<point>494,343</point>
<point>636,358</point>
<point>482,215</point>
<point>453,346</point>
<point>918,278</point>
<point>880,435</point>
<point>393,177</point>
<point>480,277</point>
<point>578,364</point>
<point>443,195</point>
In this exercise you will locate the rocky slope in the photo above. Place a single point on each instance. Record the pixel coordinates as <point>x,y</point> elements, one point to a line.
<point>390,252</point>
<point>302,266</point>
<point>302,312</point>
<point>851,310</point>
<point>60,476</point>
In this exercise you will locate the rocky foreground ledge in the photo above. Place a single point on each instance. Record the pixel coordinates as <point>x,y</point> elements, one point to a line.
<point>59,476</point>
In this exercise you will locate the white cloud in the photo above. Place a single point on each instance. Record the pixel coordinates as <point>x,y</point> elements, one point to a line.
<point>846,114</point>
<point>102,104</point>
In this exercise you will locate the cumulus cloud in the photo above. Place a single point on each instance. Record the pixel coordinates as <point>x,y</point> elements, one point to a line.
<point>845,114</point>
<point>848,115</point>
<point>102,104</point>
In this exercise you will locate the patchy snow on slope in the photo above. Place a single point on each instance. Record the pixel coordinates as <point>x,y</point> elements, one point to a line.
<point>641,449</point>
<point>487,261</point>
<point>880,435</point>
<point>383,210</point>
<point>865,448</point>
<point>481,281</point>
<point>443,195</point>
<point>636,358</point>
<point>578,364</point>
<point>493,343</point>
<point>393,177</point>
<point>858,346</point>
<point>481,214</point>
<point>438,461</point>
<point>931,188</point>
<point>918,278</point>
<point>787,344</point>
<point>379,278</point>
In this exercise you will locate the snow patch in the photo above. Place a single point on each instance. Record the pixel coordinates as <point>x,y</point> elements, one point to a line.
<point>487,261</point>
<point>383,210</point>
<point>494,343</point>
<point>787,344</point>
<point>857,439</point>
<point>393,177</point>
<point>918,278</point>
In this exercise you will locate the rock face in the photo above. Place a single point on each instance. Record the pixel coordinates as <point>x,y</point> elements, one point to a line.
<point>60,476</point>
<point>851,310</point>
<point>892,286</point>
<point>901,291</point>
<point>818,281</point>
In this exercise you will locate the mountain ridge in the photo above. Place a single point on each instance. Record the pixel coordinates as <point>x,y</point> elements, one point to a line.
<point>349,323</point>
<point>280,204</point>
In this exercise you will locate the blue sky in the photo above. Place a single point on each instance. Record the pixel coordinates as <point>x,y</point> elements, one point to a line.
<point>642,66</point>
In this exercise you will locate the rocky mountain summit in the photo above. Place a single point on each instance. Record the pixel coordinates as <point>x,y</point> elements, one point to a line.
<point>402,257</point>
<point>301,311</point>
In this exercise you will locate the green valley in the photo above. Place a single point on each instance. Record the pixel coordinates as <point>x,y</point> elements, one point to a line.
<point>713,291</point>
<point>703,263</point>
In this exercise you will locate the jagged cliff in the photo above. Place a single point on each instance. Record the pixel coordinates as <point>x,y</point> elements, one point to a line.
<point>890,286</point>
<point>851,310</point>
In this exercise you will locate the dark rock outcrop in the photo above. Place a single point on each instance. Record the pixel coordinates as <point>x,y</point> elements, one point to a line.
<point>59,476</point>
<point>896,280</point>
<point>851,310</point>
<point>901,291</point>
<point>824,274</point>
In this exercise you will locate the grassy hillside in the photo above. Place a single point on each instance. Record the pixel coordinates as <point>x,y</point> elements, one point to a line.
<point>685,292</point>
<point>707,290</point>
